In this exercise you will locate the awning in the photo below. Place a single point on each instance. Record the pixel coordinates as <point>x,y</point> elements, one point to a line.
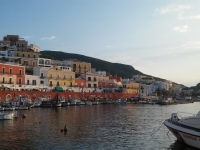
<point>59,89</point>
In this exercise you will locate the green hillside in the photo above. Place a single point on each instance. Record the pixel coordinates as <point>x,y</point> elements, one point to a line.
<point>124,71</point>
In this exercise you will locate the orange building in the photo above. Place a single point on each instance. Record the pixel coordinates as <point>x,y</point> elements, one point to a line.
<point>12,74</point>
<point>80,82</point>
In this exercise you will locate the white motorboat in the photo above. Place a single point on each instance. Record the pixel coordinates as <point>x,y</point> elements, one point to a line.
<point>6,116</point>
<point>185,129</point>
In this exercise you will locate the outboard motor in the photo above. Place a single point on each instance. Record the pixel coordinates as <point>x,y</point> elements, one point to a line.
<point>174,117</point>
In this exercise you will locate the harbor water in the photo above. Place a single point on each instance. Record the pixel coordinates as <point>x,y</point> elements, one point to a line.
<point>99,127</point>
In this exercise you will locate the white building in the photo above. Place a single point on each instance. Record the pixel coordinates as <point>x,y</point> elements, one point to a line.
<point>31,82</point>
<point>42,73</point>
<point>101,73</point>
<point>43,62</point>
<point>144,91</point>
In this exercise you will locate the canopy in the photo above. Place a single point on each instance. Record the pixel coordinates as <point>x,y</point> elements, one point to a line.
<point>59,89</point>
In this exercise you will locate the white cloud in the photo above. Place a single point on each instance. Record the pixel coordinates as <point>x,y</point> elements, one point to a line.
<point>172,9</point>
<point>50,38</point>
<point>26,37</point>
<point>180,29</point>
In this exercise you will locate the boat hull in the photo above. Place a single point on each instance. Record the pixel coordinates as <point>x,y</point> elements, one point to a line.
<point>184,135</point>
<point>6,116</point>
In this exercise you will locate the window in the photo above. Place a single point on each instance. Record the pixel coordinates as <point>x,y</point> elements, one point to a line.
<point>95,79</point>
<point>57,84</point>
<point>34,82</point>
<point>20,81</point>
<point>89,78</point>
<point>95,85</point>
<point>10,71</point>
<point>50,83</point>
<point>41,75</point>
<point>17,54</point>
<point>33,56</point>
<point>41,82</point>
<point>3,80</point>
<point>71,84</point>
<point>22,55</point>
<point>20,72</point>
<point>27,82</point>
<point>3,70</point>
<point>64,83</point>
<point>10,81</point>
<point>89,85</point>
<point>28,56</point>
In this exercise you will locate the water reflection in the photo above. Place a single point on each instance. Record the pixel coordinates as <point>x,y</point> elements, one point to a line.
<point>93,127</point>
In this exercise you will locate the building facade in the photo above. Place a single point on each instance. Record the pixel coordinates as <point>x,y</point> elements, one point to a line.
<point>26,54</point>
<point>12,74</point>
<point>34,48</point>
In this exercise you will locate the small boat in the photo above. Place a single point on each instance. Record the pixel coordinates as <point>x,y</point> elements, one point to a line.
<point>56,102</point>
<point>88,103</point>
<point>185,129</point>
<point>83,103</point>
<point>95,103</point>
<point>6,116</point>
<point>121,101</point>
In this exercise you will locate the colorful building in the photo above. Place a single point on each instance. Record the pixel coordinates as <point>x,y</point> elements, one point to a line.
<point>12,75</point>
<point>132,88</point>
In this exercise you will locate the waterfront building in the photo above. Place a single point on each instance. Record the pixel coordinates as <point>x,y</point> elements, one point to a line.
<point>144,93</point>
<point>42,73</point>
<point>12,76</point>
<point>26,54</point>
<point>15,40</point>
<point>176,88</point>
<point>31,82</point>
<point>61,77</point>
<point>34,48</point>
<point>152,88</point>
<point>132,87</point>
<point>80,85</point>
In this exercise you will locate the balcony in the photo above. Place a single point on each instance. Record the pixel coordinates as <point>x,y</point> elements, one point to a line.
<point>42,77</point>
<point>50,77</point>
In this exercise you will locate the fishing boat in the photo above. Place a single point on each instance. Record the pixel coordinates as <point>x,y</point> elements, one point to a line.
<point>22,101</point>
<point>6,116</point>
<point>185,129</point>
<point>56,102</point>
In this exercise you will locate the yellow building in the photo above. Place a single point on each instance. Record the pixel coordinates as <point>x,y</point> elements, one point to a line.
<point>26,54</point>
<point>80,67</point>
<point>132,88</point>
<point>61,77</point>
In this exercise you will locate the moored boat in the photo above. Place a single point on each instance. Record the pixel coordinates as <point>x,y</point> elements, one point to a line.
<point>6,116</point>
<point>185,129</point>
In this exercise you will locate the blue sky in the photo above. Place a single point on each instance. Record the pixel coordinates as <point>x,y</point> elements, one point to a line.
<point>159,38</point>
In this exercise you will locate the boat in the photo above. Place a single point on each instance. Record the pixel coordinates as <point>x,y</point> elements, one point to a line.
<point>95,103</point>
<point>165,101</point>
<point>185,129</point>
<point>37,103</point>
<point>121,101</point>
<point>6,116</point>
<point>46,103</point>
<point>88,102</point>
<point>22,101</point>
<point>56,102</point>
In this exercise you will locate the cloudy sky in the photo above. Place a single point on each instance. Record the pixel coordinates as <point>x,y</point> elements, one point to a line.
<point>159,38</point>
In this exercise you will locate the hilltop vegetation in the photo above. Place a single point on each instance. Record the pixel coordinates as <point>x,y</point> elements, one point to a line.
<point>125,71</point>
